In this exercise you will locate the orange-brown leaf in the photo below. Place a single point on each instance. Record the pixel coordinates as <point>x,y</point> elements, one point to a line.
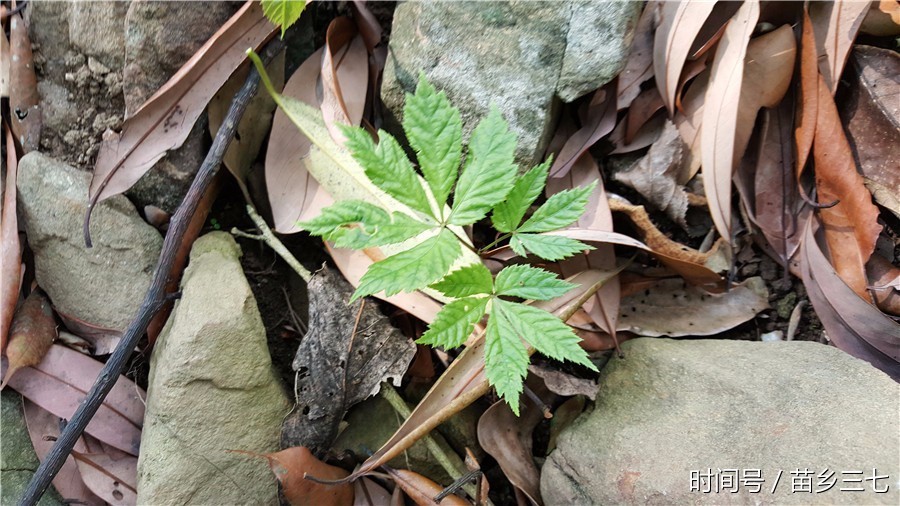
<point>10,249</point>
<point>680,24</point>
<point>836,25</point>
<point>24,100</point>
<point>851,226</point>
<point>422,490</point>
<point>807,105</point>
<point>292,465</point>
<point>32,333</point>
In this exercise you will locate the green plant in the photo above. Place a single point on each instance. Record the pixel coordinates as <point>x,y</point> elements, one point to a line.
<point>283,13</point>
<point>488,183</point>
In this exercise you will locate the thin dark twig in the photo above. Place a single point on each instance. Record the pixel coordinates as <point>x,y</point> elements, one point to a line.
<point>156,296</point>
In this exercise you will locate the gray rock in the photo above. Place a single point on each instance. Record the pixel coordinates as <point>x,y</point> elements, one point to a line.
<point>517,55</point>
<point>597,45</point>
<point>98,29</point>
<point>672,407</point>
<point>103,285</point>
<point>17,458</point>
<point>159,38</point>
<point>211,389</point>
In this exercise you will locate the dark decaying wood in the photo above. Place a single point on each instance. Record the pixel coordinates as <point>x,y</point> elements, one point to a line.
<point>156,294</point>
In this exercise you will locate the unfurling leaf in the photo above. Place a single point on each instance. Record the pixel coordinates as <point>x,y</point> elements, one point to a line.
<point>283,13</point>
<point>32,333</point>
<point>434,130</point>
<point>530,282</point>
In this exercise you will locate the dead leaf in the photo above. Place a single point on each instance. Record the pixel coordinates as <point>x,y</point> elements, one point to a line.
<point>346,354</point>
<point>565,384</point>
<point>647,135</point>
<point>639,65</point>
<point>564,415</point>
<point>851,226</point>
<point>600,119</point>
<point>808,101</point>
<point>31,334</point>
<point>882,19</point>
<point>10,249</point>
<point>368,493</point>
<point>4,64</point>
<point>58,384</point>
<point>679,26</point>
<point>641,111</point>
<point>884,281</point>
<point>103,340</point>
<point>24,100</point>
<point>422,490</point>
<point>110,474</point>
<point>292,465</point>
<point>508,438</point>
<point>656,176</point>
<point>675,309</point>
<point>836,24</point>
<point>871,115</point>
<point>164,121</point>
<point>852,324</point>
<point>689,121</point>
<point>720,115</point>
<point>344,91</point>
<point>43,428</point>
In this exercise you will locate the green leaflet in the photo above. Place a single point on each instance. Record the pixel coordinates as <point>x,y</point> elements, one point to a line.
<point>560,210</point>
<point>489,172</point>
<point>283,13</point>
<point>548,247</point>
<point>470,280</point>
<point>386,165</point>
<point>453,324</point>
<point>357,224</point>
<point>545,332</point>
<point>530,282</point>
<point>505,359</point>
<point>508,214</point>
<point>434,130</point>
<point>412,269</point>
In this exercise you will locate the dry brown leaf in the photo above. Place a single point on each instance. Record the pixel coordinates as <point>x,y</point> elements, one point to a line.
<point>679,26</point>
<point>4,64</point>
<point>720,115</point>
<point>689,122</point>
<point>344,91</point>
<point>102,339</point>
<point>853,324</point>
<point>164,121</point>
<point>422,490</point>
<point>109,473</point>
<point>641,111</point>
<point>10,249</point>
<point>647,135</point>
<point>836,24</point>
<point>808,102</point>
<point>882,19</point>
<point>884,279</point>
<point>851,226</point>
<point>599,120</point>
<point>563,383</point>
<point>292,465</point>
<point>24,100</point>
<point>31,334</point>
<point>675,309</point>
<point>639,65</point>
<point>368,493</point>
<point>508,438</point>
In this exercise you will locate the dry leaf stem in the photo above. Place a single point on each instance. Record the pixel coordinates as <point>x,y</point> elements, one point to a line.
<point>156,296</point>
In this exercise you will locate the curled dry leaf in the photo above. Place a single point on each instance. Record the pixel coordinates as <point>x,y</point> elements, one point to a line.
<point>164,121</point>
<point>292,465</point>
<point>58,384</point>
<point>647,135</point>
<point>836,24</point>
<point>565,384</point>
<point>851,226</point>
<point>104,340</point>
<point>24,100</point>
<point>641,111</point>
<point>43,428</point>
<point>852,324</point>
<point>31,334</point>
<point>346,354</point>
<point>718,145</point>
<point>600,120</point>
<point>639,65</point>
<point>110,474</point>
<point>10,249</point>
<point>808,102</point>
<point>344,92</point>
<point>884,279</point>
<point>680,23</point>
<point>675,309</point>
<point>422,490</point>
<point>508,438</point>
<point>368,493</point>
<point>689,119</point>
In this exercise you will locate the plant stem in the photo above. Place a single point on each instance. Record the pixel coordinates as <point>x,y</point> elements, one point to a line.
<point>268,237</point>
<point>496,242</point>
<point>155,297</point>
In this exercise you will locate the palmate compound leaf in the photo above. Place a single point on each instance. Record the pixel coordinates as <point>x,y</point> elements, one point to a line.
<point>387,167</point>
<point>283,13</point>
<point>505,359</point>
<point>489,172</point>
<point>357,224</point>
<point>470,280</point>
<point>412,269</point>
<point>454,323</point>
<point>548,247</point>
<point>530,282</point>
<point>508,214</point>
<point>560,210</point>
<point>434,130</point>
<point>547,333</point>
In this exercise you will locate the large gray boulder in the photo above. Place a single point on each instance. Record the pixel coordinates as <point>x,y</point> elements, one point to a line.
<point>672,413</point>
<point>211,390</point>
<point>517,55</point>
<point>103,285</point>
